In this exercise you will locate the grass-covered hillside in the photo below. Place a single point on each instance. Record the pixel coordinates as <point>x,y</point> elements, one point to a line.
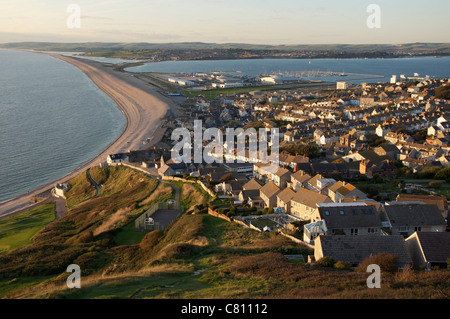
<point>198,256</point>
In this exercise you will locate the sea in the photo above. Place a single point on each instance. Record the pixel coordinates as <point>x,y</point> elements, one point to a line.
<point>349,70</point>
<point>53,119</point>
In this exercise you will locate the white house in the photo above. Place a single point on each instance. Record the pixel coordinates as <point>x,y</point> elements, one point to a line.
<point>117,158</point>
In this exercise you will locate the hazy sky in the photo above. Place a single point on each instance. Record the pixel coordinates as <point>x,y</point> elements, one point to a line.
<point>222,21</point>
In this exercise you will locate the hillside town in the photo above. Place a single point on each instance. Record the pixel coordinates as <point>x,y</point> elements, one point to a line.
<point>362,171</point>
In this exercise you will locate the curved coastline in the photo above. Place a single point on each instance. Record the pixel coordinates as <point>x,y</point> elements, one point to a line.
<point>142,106</point>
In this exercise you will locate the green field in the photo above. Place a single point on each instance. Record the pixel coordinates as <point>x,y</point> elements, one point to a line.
<point>18,230</point>
<point>214,93</point>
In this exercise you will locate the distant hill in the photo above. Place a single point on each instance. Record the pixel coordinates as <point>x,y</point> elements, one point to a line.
<point>410,48</point>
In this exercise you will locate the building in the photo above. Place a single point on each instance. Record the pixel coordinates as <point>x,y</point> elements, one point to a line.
<point>61,189</point>
<point>439,201</point>
<point>355,249</point>
<point>313,230</point>
<point>298,180</point>
<point>406,218</point>
<point>281,177</point>
<point>268,194</point>
<point>341,85</point>
<point>117,158</point>
<point>355,218</point>
<point>429,249</point>
<point>284,199</point>
<point>393,79</point>
<point>252,185</point>
<point>305,201</point>
<point>341,190</point>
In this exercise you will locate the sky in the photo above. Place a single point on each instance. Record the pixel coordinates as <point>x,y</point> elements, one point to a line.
<point>225,21</point>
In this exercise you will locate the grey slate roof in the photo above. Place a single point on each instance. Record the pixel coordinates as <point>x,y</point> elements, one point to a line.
<point>340,217</point>
<point>435,246</point>
<point>355,249</point>
<point>413,214</point>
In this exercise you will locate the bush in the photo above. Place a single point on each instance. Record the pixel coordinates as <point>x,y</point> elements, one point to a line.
<point>268,210</point>
<point>387,263</point>
<point>343,265</point>
<point>428,172</point>
<point>443,173</point>
<point>326,262</point>
<point>435,184</point>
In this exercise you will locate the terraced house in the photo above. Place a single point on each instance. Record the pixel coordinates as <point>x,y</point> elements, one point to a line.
<point>304,203</point>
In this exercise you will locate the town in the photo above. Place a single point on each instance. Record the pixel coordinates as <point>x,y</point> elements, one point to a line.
<point>363,168</point>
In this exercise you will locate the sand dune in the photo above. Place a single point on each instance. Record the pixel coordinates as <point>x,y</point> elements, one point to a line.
<point>141,104</point>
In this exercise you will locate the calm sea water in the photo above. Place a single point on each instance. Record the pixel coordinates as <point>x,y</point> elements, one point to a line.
<point>53,119</point>
<point>435,67</point>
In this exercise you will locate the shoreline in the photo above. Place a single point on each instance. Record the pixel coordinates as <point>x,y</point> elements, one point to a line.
<point>143,107</point>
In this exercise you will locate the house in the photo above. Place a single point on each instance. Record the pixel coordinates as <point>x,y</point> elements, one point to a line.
<point>251,185</point>
<point>319,184</point>
<point>268,194</point>
<point>355,218</point>
<point>231,187</point>
<point>261,171</point>
<point>439,201</point>
<point>252,197</point>
<point>299,179</point>
<point>406,218</point>
<point>284,199</point>
<point>117,158</point>
<point>355,249</point>
<point>341,190</point>
<point>391,151</point>
<point>281,177</point>
<point>61,189</point>
<point>305,201</point>
<point>429,249</point>
<point>384,168</point>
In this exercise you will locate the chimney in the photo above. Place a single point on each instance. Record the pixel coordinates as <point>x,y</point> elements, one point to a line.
<point>295,167</point>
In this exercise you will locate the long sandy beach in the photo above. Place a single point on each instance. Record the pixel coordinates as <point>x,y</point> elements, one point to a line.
<point>143,107</point>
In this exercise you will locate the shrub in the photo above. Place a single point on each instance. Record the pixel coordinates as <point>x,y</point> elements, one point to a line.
<point>343,265</point>
<point>443,173</point>
<point>387,263</point>
<point>268,210</point>
<point>435,184</point>
<point>326,262</point>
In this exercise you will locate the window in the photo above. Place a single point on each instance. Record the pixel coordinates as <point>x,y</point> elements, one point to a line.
<point>354,231</point>
<point>372,230</point>
<point>418,228</point>
<point>327,213</point>
<point>341,212</point>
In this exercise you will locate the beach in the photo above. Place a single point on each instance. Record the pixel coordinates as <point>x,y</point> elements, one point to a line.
<point>143,106</point>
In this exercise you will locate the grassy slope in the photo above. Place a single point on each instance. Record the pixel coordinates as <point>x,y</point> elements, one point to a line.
<point>202,256</point>
<point>199,256</point>
<point>18,230</point>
